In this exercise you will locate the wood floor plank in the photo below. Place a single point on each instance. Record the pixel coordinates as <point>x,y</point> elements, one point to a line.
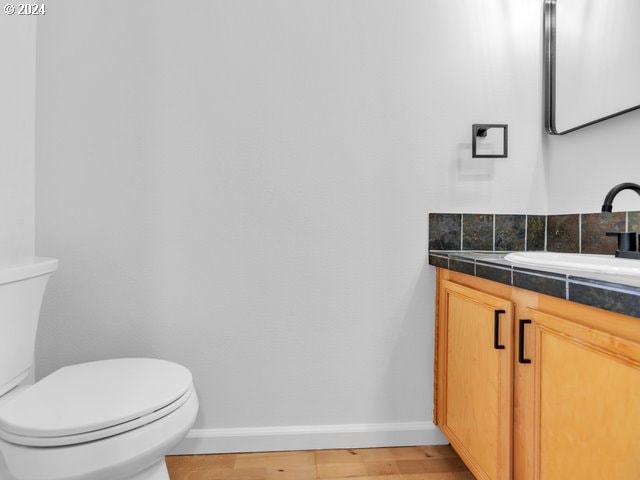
<point>438,451</point>
<point>391,453</point>
<point>431,465</point>
<point>199,462</point>
<point>385,467</point>
<point>438,462</point>
<point>337,456</point>
<point>218,474</point>
<point>341,470</point>
<point>418,476</point>
<point>276,459</point>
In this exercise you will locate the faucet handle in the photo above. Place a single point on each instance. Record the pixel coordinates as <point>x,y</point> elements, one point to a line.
<point>627,241</point>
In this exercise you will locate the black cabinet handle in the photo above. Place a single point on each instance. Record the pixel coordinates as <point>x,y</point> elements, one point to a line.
<point>496,329</point>
<point>521,358</point>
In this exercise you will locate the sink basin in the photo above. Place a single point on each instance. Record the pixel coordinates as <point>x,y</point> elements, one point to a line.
<point>577,261</point>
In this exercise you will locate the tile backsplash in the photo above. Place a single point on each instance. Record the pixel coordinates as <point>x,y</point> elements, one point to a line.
<point>477,232</point>
<point>563,233</point>
<point>510,232</point>
<point>445,231</point>
<point>536,232</point>
<point>571,233</point>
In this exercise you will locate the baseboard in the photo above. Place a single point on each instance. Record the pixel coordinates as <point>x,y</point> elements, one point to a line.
<point>264,439</point>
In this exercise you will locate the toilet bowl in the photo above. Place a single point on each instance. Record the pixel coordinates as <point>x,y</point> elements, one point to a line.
<point>104,420</point>
<point>111,419</point>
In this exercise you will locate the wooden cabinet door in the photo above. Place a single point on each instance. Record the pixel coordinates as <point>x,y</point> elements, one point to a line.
<point>586,402</point>
<point>474,405</point>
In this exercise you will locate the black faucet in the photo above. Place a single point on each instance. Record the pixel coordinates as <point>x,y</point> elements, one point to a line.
<point>627,241</point>
<point>607,206</point>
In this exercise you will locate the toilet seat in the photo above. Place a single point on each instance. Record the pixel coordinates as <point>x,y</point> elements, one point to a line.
<point>95,400</point>
<point>117,457</point>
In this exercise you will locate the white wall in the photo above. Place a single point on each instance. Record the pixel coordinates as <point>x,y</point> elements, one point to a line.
<point>243,187</point>
<point>583,165</point>
<point>17,134</point>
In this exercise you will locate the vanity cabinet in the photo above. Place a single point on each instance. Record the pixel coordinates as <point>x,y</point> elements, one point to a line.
<point>586,401</point>
<point>476,378</point>
<point>560,400</point>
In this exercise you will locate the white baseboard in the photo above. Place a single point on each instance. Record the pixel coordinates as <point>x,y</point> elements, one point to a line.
<point>314,437</point>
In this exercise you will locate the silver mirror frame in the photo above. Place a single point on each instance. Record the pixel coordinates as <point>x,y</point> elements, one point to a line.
<point>549,65</point>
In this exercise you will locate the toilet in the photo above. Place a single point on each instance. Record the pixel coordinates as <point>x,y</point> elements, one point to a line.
<point>104,420</point>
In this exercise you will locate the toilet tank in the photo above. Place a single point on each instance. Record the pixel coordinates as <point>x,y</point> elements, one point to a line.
<point>22,284</point>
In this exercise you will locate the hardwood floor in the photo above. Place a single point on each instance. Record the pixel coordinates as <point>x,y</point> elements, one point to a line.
<point>400,463</point>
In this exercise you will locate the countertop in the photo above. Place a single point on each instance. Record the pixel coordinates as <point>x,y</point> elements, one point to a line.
<point>616,293</point>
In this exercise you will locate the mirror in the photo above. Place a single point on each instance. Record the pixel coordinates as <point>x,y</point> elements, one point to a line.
<point>591,60</point>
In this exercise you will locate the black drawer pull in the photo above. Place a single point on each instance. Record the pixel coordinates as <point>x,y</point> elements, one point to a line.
<point>496,329</point>
<point>521,358</point>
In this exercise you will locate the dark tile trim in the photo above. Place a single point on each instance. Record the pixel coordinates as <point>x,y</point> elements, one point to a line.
<point>544,273</point>
<point>467,234</point>
<point>619,298</point>
<point>497,274</point>
<point>462,266</point>
<point>439,261</point>
<point>551,286</point>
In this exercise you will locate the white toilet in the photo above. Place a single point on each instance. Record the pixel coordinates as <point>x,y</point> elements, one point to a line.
<point>104,420</point>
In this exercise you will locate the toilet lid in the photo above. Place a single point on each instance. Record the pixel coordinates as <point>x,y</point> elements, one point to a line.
<point>92,396</point>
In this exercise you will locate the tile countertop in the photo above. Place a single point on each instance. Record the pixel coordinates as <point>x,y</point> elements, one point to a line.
<point>616,293</point>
